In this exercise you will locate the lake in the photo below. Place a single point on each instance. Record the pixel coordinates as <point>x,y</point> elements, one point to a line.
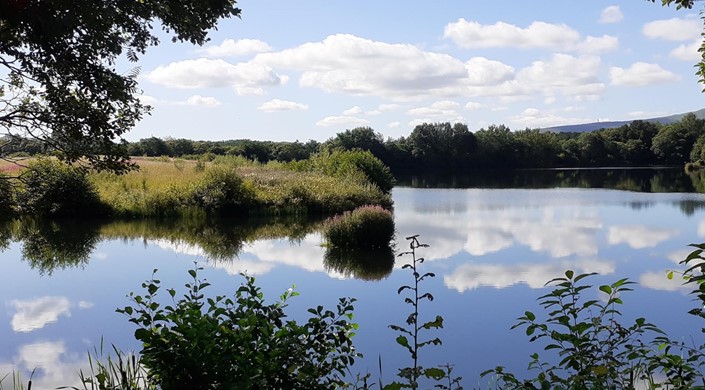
<point>494,242</point>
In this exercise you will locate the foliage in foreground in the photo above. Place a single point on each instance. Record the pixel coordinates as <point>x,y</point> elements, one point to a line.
<point>410,334</point>
<point>240,341</point>
<point>594,350</point>
<point>365,227</point>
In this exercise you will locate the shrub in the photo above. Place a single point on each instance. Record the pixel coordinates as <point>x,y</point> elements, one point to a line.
<point>364,227</point>
<point>353,164</point>
<point>7,202</point>
<point>54,189</point>
<point>596,350</point>
<point>239,342</point>
<point>223,192</point>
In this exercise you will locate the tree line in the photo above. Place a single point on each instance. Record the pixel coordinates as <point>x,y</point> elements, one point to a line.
<point>453,148</point>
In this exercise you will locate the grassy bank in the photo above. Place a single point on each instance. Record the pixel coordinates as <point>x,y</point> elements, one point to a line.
<point>227,186</point>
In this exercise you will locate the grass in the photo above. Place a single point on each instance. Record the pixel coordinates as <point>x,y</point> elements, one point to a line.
<point>165,187</point>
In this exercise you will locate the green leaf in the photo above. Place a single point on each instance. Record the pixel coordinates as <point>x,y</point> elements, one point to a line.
<point>529,315</point>
<point>403,341</point>
<point>606,289</point>
<point>669,275</point>
<point>434,373</point>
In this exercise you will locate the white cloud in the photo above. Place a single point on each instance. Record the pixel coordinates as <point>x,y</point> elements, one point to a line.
<point>611,14</point>
<point>646,114</point>
<point>247,78</point>
<point>36,313</point>
<point>535,118</point>
<point>472,106</point>
<point>194,100</point>
<point>393,125</point>
<point>564,74</point>
<point>233,48</point>
<point>445,108</point>
<point>484,72</point>
<point>349,64</point>
<point>679,255</point>
<point>281,105</point>
<point>639,236</point>
<point>353,111</point>
<point>198,100</point>
<point>472,276</point>
<point>543,35</point>
<point>388,107</point>
<point>674,29</point>
<point>148,100</point>
<point>687,52</point>
<point>597,45</point>
<point>343,120</point>
<point>641,74</point>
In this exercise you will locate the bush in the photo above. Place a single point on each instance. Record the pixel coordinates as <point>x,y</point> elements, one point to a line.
<point>54,189</point>
<point>353,164</point>
<point>7,202</point>
<point>364,227</point>
<point>223,192</point>
<point>239,342</point>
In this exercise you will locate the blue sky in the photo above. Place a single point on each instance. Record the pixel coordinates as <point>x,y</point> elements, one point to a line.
<point>308,70</point>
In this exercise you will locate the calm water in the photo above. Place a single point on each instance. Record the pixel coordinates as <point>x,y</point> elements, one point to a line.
<point>492,250</point>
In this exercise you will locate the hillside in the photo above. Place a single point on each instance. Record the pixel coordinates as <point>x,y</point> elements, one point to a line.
<point>607,125</point>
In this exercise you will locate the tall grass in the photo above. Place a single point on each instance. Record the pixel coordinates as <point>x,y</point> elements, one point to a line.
<point>229,185</point>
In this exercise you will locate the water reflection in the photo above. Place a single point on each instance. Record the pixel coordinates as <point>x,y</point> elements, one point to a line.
<point>628,179</point>
<point>360,264</point>
<point>472,276</point>
<point>36,313</point>
<point>53,364</point>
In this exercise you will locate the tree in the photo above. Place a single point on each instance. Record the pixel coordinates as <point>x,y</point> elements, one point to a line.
<point>58,78</point>
<point>673,143</point>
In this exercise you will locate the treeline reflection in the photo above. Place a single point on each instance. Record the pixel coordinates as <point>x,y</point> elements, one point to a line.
<point>53,245</point>
<point>627,179</point>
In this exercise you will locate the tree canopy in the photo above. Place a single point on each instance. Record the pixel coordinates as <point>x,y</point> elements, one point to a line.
<point>58,78</point>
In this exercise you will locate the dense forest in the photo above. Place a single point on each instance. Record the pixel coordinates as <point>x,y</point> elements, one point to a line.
<point>442,147</point>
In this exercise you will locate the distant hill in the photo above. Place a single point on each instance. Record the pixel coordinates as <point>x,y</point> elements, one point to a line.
<point>664,120</point>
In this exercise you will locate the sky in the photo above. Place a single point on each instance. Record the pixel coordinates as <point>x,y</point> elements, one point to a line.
<point>305,70</point>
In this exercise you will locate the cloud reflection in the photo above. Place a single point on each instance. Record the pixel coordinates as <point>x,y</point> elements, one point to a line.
<point>36,313</point>
<point>659,281</point>
<point>54,365</point>
<point>472,276</point>
<point>639,236</point>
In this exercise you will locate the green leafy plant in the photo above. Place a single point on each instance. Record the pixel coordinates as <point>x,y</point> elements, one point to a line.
<point>365,227</point>
<point>410,335</point>
<point>594,350</point>
<point>682,361</point>
<point>222,191</point>
<point>54,189</point>
<point>240,341</point>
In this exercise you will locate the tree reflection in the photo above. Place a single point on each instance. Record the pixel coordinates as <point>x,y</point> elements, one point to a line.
<point>51,245</point>
<point>360,264</point>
